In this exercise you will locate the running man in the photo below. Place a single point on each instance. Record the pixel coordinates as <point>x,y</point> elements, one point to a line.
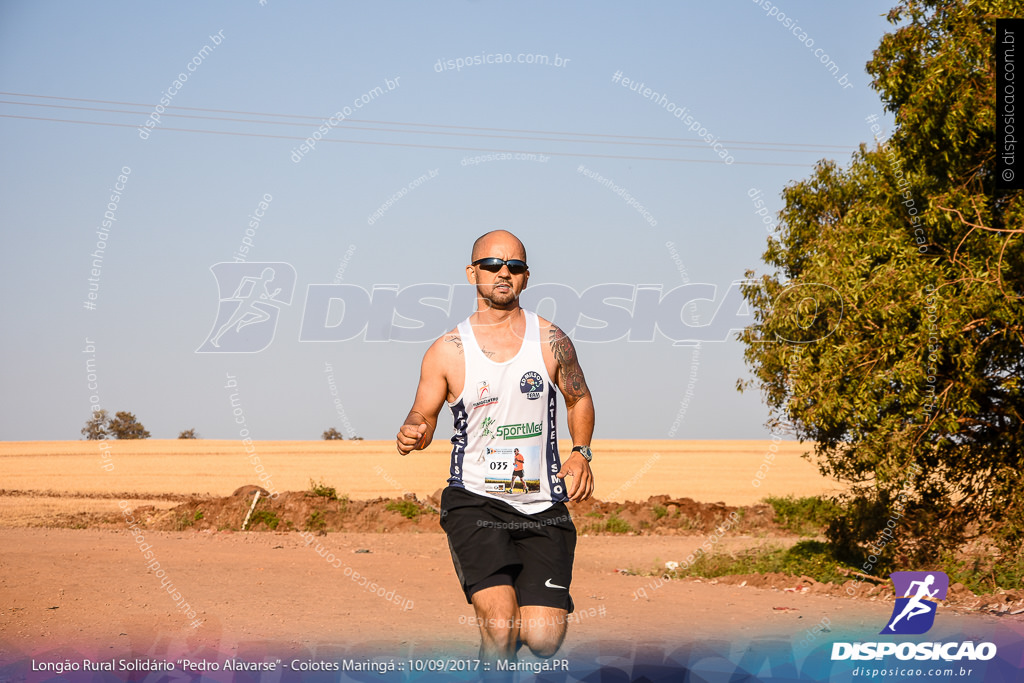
<point>518,472</point>
<point>914,605</point>
<point>513,553</point>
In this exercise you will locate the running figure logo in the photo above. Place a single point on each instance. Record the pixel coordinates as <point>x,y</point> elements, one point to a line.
<point>247,318</point>
<point>486,427</point>
<point>914,612</point>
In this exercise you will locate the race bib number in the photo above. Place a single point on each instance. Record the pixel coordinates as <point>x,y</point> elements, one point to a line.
<point>512,470</point>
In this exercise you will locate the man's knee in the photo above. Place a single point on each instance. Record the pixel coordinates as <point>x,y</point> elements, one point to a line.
<point>544,649</point>
<point>543,631</point>
<point>544,642</point>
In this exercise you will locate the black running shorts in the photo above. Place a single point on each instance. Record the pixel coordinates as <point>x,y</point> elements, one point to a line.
<point>489,537</point>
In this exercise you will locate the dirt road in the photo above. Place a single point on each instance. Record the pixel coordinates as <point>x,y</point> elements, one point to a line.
<point>90,592</point>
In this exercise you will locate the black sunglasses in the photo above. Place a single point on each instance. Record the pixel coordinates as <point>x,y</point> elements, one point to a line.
<point>493,265</point>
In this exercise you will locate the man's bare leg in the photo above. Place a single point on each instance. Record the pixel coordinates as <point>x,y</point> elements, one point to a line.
<point>542,629</point>
<point>497,614</point>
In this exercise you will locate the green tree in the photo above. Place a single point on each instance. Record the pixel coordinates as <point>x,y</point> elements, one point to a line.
<point>332,434</point>
<point>188,434</point>
<point>891,332</point>
<point>95,428</point>
<point>125,425</point>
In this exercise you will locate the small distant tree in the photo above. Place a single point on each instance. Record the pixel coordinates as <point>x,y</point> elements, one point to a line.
<point>356,438</point>
<point>124,425</point>
<point>332,434</point>
<point>188,434</point>
<point>96,428</point>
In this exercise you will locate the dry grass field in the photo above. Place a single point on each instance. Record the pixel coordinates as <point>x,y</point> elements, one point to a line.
<point>707,471</point>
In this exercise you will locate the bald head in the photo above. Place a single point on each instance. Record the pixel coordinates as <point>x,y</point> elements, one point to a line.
<point>499,243</point>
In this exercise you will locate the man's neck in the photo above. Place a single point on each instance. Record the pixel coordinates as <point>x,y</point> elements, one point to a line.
<point>487,314</point>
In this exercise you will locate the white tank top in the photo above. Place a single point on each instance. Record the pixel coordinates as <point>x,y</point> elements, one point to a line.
<point>505,445</point>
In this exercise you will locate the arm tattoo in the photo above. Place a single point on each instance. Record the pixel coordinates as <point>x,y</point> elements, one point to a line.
<point>455,339</point>
<point>572,383</point>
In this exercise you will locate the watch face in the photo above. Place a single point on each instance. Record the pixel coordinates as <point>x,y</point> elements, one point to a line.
<point>586,453</point>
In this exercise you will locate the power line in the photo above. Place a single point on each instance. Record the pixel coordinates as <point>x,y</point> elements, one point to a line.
<point>406,144</point>
<point>692,145</point>
<point>811,146</point>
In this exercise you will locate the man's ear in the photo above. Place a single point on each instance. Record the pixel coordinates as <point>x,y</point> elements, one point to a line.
<point>471,275</point>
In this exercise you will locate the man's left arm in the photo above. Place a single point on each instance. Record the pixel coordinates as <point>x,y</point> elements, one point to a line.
<point>579,413</point>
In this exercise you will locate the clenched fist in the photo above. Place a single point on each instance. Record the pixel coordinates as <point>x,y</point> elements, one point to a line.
<point>410,437</point>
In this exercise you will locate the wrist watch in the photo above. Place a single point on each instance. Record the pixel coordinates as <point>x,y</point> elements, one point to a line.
<point>584,451</point>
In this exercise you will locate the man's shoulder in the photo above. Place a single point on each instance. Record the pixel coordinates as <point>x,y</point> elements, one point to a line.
<point>546,326</point>
<point>447,345</point>
<point>550,333</point>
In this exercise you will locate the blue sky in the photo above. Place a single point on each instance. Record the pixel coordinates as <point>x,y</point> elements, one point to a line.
<point>749,81</point>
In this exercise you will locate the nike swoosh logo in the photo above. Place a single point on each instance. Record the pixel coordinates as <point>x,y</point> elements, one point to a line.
<point>552,585</point>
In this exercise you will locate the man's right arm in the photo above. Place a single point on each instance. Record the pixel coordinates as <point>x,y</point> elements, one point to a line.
<point>417,431</point>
